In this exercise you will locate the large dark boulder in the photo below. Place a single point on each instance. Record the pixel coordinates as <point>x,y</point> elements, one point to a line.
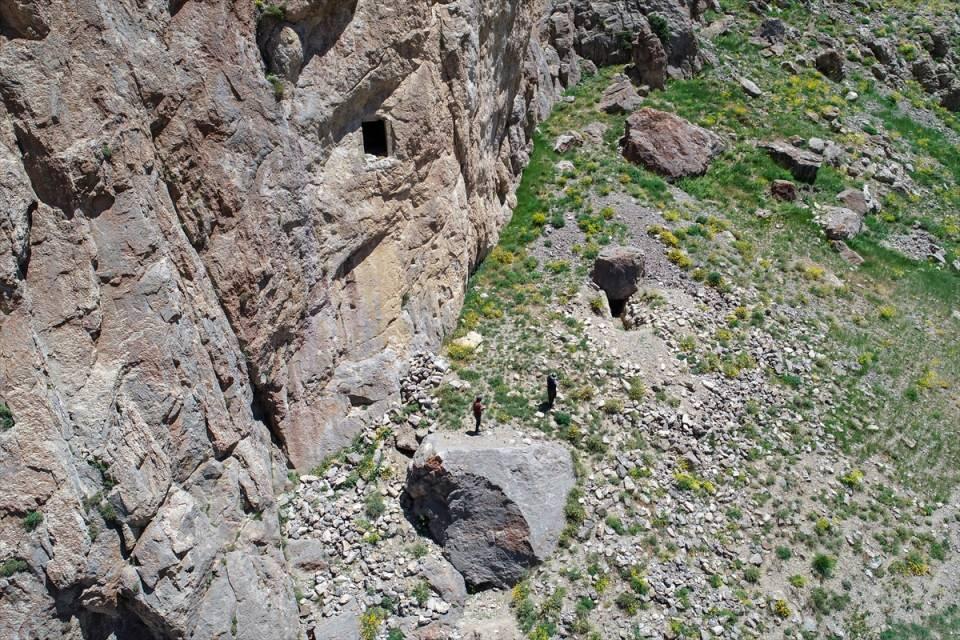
<point>772,30</point>
<point>496,507</point>
<point>950,99</point>
<point>669,145</point>
<point>830,63</point>
<point>618,271</point>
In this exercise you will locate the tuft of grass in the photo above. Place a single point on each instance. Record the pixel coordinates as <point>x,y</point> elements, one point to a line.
<point>612,406</point>
<point>277,84</point>
<point>781,609</point>
<point>887,311</point>
<point>375,505</point>
<point>7,420</point>
<point>628,603</point>
<point>370,623</point>
<point>637,390</point>
<point>914,564</point>
<point>271,10</point>
<point>852,479</point>
<point>460,352</point>
<point>824,565</point>
<point>11,566</point>
<point>660,27</point>
<point>616,524</point>
<point>32,520</point>
<point>597,304</point>
<point>421,592</point>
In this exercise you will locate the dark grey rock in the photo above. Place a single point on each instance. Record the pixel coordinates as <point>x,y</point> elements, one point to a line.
<point>649,58</point>
<point>773,30</point>
<point>841,223</point>
<point>668,144</point>
<point>804,165</point>
<point>496,507</point>
<point>830,63</point>
<point>618,271</point>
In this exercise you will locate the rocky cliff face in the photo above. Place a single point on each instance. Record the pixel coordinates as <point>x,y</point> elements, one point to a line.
<point>206,279</point>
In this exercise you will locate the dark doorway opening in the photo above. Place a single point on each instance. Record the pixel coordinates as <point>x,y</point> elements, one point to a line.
<point>375,138</point>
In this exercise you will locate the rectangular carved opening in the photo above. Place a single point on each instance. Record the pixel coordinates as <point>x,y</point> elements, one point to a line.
<point>375,142</point>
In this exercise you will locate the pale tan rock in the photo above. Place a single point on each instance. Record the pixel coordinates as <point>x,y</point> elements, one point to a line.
<point>200,282</point>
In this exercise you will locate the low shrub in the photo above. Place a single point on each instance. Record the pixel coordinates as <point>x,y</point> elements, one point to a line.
<point>824,565</point>
<point>32,520</point>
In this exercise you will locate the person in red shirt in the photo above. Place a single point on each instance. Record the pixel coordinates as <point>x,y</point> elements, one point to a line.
<point>477,413</point>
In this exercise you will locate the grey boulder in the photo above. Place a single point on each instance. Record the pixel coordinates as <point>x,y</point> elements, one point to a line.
<point>855,200</point>
<point>496,507</point>
<point>445,580</point>
<point>618,270</point>
<point>803,164</point>
<point>841,223</point>
<point>620,97</point>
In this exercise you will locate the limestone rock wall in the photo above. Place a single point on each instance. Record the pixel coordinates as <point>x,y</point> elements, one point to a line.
<point>204,280</point>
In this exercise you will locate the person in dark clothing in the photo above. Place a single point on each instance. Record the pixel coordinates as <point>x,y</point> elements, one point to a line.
<point>551,390</point>
<point>477,413</point>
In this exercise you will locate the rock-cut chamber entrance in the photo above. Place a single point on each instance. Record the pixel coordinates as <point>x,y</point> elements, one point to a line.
<point>375,138</point>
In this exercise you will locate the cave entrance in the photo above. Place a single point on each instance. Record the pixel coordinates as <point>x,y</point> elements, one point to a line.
<point>617,306</point>
<point>376,141</point>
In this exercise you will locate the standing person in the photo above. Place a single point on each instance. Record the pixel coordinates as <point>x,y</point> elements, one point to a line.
<point>551,390</point>
<point>477,413</point>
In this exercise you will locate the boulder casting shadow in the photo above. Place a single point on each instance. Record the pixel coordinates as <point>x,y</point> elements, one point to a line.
<point>496,508</point>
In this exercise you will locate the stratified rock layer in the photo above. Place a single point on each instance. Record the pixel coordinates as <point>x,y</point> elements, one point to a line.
<point>495,507</point>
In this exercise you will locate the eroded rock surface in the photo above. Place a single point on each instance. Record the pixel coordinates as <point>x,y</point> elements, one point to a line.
<point>206,276</point>
<point>209,276</point>
<point>496,507</point>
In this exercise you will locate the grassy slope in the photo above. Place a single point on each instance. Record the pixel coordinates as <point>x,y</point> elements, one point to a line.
<point>890,326</point>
